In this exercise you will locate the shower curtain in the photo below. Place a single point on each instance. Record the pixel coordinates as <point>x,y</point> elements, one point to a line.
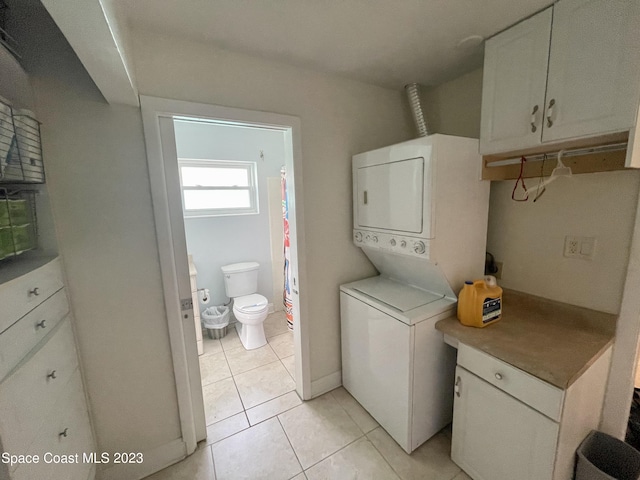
<point>286,295</point>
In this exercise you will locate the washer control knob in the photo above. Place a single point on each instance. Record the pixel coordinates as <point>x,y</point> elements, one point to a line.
<point>392,242</point>
<point>358,236</point>
<point>375,239</point>
<point>403,244</point>
<point>419,248</point>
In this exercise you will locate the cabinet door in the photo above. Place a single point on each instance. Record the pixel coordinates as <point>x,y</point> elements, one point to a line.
<point>594,68</point>
<point>496,437</point>
<point>515,75</point>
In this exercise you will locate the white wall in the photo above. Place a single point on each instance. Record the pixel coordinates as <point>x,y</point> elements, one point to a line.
<point>339,117</point>
<point>218,241</point>
<point>454,107</point>
<point>98,180</point>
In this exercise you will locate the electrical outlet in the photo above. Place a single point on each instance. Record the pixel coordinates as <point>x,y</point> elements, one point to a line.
<point>571,246</point>
<point>579,247</point>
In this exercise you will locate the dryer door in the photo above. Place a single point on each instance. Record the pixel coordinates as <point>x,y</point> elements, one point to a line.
<point>390,196</point>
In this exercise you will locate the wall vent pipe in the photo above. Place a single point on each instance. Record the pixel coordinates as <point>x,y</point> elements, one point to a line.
<point>413,94</point>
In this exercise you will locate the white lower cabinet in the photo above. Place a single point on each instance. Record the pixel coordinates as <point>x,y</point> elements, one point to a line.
<point>509,424</point>
<point>495,435</point>
<point>43,408</point>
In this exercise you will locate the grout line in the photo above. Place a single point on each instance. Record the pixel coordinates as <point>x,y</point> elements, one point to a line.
<point>215,474</point>
<point>290,444</point>
<point>337,451</point>
<point>279,413</point>
<point>381,454</point>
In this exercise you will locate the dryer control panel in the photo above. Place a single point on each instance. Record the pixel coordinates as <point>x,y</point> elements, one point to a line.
<point>389,242</point>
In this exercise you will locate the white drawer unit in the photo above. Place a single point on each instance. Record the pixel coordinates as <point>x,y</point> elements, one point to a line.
<point>23,294</point>
<point>509,424</point>
<point>18,340</point>
<point>43,409</point>
<point>28,396</point>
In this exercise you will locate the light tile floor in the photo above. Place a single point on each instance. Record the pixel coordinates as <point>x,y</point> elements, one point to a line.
<point>257,427</point>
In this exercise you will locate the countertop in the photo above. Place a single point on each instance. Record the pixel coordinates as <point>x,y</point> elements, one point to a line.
<point>553,341</point>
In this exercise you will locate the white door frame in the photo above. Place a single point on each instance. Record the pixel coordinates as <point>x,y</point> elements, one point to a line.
<point>163,173</point>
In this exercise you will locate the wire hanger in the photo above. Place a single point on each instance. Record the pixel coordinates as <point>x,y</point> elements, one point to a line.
<point>521,181</point>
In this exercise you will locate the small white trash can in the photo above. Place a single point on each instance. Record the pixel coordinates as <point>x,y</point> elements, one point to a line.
<point>215,320</point>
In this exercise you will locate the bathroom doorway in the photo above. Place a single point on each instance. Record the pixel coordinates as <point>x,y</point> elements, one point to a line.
<point>184,138</point>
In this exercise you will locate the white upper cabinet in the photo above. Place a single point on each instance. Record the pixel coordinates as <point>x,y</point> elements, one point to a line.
<point>515,75</point>
<point>578,61</point>
<point>594,68</point>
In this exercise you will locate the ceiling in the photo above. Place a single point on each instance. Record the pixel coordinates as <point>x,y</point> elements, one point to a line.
<point>383,42</point>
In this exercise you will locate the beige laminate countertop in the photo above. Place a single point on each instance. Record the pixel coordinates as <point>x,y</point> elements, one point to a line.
<point>553,341</point>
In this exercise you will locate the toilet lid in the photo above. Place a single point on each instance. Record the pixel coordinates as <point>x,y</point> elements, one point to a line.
<point>250,303</point>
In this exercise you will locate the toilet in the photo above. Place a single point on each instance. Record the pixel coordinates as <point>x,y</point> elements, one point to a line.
<point>249,307</point>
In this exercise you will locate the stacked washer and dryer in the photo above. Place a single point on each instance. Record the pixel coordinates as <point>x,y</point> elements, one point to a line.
<point>420,214</point>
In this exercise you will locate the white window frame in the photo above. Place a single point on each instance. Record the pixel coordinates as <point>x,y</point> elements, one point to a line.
<point>252,188</point>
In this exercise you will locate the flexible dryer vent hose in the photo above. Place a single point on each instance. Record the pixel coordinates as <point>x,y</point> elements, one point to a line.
<point>413,94</point>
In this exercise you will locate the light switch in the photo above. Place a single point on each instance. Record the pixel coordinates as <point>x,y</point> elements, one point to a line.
<point>587,246</point>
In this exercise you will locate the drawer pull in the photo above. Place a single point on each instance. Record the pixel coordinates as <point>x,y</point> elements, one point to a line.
<point>63,433</point>
<point>41,324</point>
<point>458,386</point>
<point>533,119</point>
<point>35,292</point>
<point>499,376</point>
<point>52,375</point>
<point>550,112</point>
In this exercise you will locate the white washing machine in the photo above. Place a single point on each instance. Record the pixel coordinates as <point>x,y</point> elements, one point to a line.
<point>420,215</point>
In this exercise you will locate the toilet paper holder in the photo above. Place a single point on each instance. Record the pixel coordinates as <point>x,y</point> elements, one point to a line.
<point>203,295</point>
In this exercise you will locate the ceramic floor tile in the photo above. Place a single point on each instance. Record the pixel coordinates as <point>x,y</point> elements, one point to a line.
<point>431,460</point>
<point>300,476</point>
<point>210,346</point>
<point>282,345</point>
<point>358,460</point>
<point>359,415</point>
<point>227,427</point>
<point>318,428</point>
<point>261,452</point>
<point>231,341</point>
<point>197,466</point>
<point>290,364</point>
<point>275,324</point>
<point>221,400</point>
<point>273,407</point>
<point>263,384</point>
<point>241,360</point>
<point>213,368</point>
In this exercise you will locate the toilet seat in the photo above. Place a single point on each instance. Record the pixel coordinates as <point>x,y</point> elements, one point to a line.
<point>251,304</point>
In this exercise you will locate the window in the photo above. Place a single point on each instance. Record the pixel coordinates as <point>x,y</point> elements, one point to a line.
<point>215,187</point>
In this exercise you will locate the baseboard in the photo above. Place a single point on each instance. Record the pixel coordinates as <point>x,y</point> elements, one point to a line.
<point>326,384</point>
<point>154,461</point>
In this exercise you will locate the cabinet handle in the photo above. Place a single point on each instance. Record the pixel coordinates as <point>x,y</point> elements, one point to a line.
<point>52,375</point>
<point>41,324</point>
<point>366,197</point>
<point>533,118</point>
<point>35,292</point>
<point>63,433</point>
<point>458,386</point>
<point>552,102</point>
<point>499,376</point>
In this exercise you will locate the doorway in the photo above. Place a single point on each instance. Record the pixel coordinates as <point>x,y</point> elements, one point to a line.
<point>159,120</point>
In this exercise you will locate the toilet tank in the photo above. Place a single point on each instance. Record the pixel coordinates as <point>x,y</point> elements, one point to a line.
<point>240,278</point>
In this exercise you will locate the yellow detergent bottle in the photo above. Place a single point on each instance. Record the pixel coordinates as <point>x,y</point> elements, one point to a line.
<point>480,303</point>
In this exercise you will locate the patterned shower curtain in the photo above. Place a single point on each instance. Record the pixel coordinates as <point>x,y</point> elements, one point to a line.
<point>286,295</point>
